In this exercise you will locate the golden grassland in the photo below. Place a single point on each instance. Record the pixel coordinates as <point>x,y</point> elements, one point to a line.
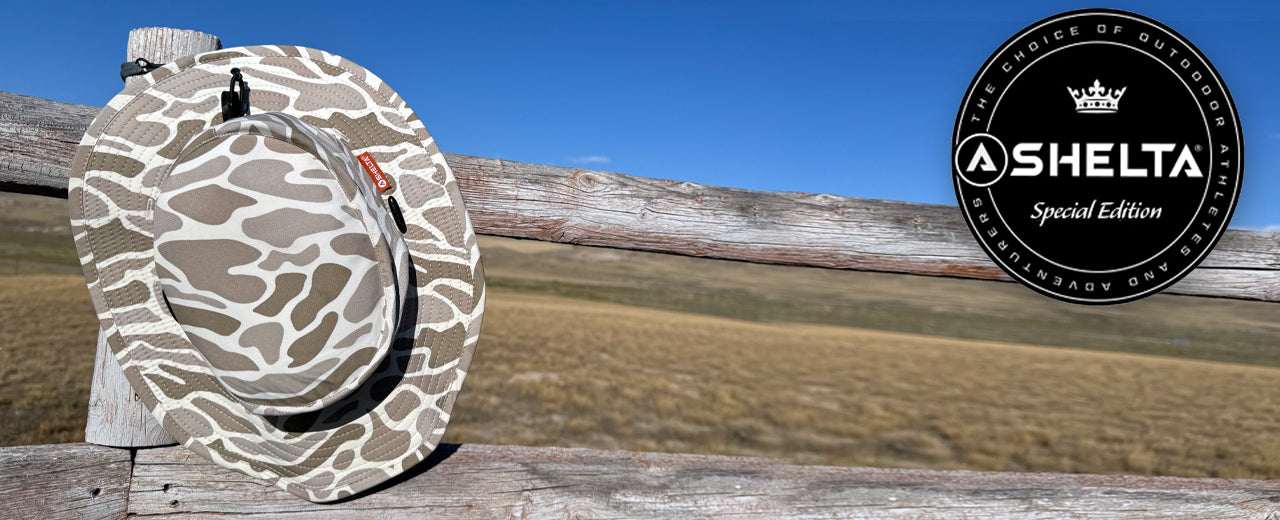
<point>1213,329</point>
<point>620,349</point>
<point>47,336</point>
<point>563,372</point>
<point>555,371</point>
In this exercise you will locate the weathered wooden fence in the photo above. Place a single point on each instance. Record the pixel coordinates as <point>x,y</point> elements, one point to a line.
<point>126,474</point>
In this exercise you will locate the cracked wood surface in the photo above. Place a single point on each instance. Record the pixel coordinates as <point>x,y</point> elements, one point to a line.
<point>64,481</point>
<point>507,198</point>
<point>514,482</point>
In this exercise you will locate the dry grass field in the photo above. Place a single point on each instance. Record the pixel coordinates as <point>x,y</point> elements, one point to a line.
<point>1166,325</point>
<point>618,349</point>
<point>555,371</point>
<point>47,335</point>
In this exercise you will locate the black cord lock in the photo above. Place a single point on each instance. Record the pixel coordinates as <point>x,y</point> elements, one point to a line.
<point>136,68</point>
<point>235,104</point>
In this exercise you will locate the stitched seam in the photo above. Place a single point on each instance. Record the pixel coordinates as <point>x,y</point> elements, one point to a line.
<point>435,340</point>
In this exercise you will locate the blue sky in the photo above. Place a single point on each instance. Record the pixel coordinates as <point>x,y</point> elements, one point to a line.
<point>849,98</point>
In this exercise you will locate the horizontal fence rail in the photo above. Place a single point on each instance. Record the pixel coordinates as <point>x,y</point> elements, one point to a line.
<point>513,482</point>
<point>38,138</point>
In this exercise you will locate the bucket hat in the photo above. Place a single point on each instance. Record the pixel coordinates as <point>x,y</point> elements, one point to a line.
<point>282,264</point>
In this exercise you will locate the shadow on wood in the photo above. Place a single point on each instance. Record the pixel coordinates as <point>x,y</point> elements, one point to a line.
<point>441,453</point>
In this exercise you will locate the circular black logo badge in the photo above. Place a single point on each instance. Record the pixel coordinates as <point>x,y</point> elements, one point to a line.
<point>1097,156</point>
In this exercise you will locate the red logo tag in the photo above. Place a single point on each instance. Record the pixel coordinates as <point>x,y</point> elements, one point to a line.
<point>375,173</point>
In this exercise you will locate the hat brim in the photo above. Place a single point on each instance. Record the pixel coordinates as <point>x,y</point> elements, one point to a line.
<point>396,418</point>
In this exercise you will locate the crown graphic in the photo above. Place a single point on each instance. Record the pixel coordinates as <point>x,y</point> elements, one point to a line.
<point>1096,99</point>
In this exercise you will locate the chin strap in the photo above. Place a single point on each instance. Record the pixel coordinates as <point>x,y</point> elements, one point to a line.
<point>136,68</point>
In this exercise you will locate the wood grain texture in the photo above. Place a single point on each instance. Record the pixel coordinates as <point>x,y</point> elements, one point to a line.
<point>116,415</point>
<point>508,482</point>
<point>162,45</point>
<point>614,210</point>
<point>37,139</point>
<point>578,206</point>
<point>64,481</point>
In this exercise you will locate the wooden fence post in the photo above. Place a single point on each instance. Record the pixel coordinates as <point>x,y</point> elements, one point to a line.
<point>116,416</point>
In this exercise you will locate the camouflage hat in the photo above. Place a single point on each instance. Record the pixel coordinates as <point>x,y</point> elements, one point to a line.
<point>294,294</point>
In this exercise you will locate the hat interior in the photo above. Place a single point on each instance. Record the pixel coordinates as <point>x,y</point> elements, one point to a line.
<point>278,269</point>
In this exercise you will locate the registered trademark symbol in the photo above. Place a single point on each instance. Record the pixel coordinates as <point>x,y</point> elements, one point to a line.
<point>1199,148</point>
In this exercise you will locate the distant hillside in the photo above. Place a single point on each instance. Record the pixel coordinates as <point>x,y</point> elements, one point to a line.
<point>35,238</point>
<point>1167,325</point>
<point>614,349</point>
<point>35,235</point>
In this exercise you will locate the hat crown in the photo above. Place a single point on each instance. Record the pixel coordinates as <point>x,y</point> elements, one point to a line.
<point>279,261</point>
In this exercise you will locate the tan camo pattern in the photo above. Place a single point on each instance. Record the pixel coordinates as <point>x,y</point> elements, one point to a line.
<point>300,301</point>
<point>395,418</point>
